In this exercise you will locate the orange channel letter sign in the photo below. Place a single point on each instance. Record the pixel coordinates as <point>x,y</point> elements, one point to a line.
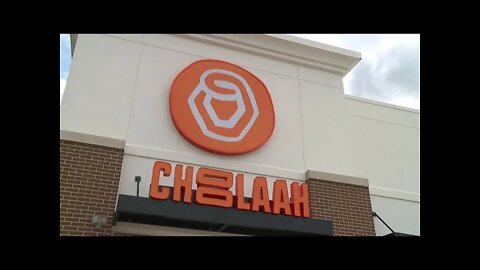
<point>213,188</point>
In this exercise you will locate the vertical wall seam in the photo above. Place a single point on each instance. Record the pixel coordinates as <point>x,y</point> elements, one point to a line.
<point>301,118</point>
<point>134,88</point>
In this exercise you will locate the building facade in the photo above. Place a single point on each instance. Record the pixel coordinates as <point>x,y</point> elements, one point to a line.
<point>230,135</point>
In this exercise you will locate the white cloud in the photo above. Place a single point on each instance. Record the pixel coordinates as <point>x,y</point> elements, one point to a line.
<point>330,39</point>
<point>409,101</point>
<point>389,69</point>
<point>62,88</point>
<point>403,40</point>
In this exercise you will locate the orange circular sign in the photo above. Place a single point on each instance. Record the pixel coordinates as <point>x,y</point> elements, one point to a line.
<point>221,107</point>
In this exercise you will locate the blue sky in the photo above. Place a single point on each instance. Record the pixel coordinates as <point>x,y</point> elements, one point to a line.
<point>65,60</point>
<point>388,72</point>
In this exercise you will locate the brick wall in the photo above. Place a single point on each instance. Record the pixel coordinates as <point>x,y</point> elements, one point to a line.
<point>89,177</point>
<point>347,206</point>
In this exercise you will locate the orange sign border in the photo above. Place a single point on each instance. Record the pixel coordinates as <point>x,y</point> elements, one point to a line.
<point>191,141</point>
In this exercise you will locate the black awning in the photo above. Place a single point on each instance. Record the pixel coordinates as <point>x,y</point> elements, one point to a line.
<point>210,218</point>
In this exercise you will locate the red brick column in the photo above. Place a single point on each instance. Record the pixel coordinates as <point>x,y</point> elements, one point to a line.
<point>347,206</point>
<point>89,177</point>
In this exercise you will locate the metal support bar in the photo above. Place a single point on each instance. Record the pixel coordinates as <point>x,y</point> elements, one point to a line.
<point>223,228</point>
<point>375,215</point>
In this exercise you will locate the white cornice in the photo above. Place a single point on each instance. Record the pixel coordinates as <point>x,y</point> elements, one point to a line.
<point>344,179</point>
<point>283,47</point>
<point>91,139</point>
<point>287,48</point>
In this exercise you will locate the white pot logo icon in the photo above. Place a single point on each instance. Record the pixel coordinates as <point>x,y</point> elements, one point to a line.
<point>237,97</point>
